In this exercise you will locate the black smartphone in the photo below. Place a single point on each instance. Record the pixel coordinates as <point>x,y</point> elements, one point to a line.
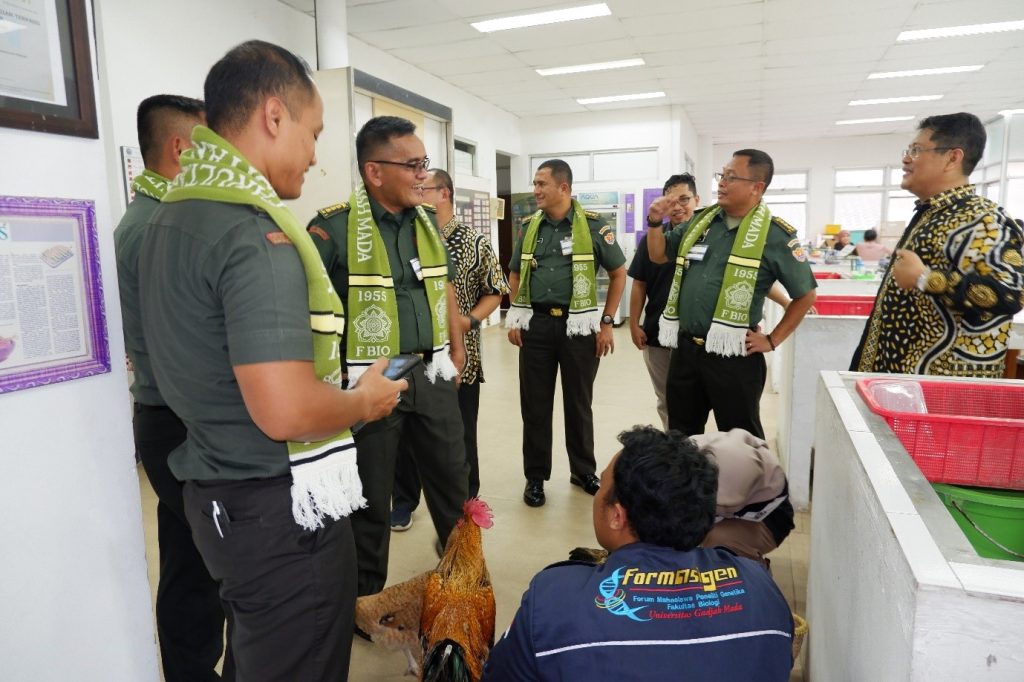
<point>398,367</point>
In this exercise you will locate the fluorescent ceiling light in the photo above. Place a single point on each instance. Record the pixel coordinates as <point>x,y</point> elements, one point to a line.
<point>541,18</point>
<point>957,31</point>
<point>1011,112</point>
<point>598,66</point>
<point>926,72</point>
<point>885,119</point>
<point>621,98</point>
<point>894,100</point>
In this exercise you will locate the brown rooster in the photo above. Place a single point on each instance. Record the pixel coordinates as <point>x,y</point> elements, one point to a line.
<point>457,625</point>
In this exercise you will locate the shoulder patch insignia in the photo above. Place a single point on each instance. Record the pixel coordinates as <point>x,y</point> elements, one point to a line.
<point>278,238</point>
<point>328,211</point>
<point>604,229</point>
<point>593,215</point>
<point>609,238</point>
<point>784,225</point>
<point>799,252</point>
<point>319,232</point>
<point>429,207</point>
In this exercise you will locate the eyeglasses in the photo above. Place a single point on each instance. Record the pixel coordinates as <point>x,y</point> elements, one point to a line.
<point>685,199</point>
<point>414,166</point>
<point>721,177</point>
<point>915,151</point>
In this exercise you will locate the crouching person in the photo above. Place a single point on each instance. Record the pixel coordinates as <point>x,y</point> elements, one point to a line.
<point>661,601</point>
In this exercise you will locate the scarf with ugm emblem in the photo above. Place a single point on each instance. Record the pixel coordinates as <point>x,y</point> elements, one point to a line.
<point>732,311</point>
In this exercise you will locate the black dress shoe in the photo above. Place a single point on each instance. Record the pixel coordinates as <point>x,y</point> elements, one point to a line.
<point>589,482</point>
<point>533,496</point>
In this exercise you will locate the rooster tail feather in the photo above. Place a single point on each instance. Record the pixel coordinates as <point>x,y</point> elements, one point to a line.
<point>445,662</point>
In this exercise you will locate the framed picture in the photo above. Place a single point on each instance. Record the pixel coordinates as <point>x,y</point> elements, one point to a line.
<point>46,68</point>
<point>52,321</point>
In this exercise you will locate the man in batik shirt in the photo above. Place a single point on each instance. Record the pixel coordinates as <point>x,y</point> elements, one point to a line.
<point>948,298</point>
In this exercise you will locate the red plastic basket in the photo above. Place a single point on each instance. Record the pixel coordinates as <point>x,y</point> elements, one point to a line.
<point>973,433</point>
<point>844,305</point>
<point>827,275</point>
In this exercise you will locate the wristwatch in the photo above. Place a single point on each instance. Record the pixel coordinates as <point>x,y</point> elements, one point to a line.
<point>654,223</point>
<point>607,319</point>
<point>474,323</point>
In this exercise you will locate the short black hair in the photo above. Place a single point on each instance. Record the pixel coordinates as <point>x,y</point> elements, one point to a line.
<point>246,76</point>
<point>441,176</point>
<point>958,131</point>
<point>155,117</point>
<point>667,486</point>
<point>377,133</point>
<point>560,171</point>
<point>680,179</point>
<point>759,161</point>
<point>870,235</point>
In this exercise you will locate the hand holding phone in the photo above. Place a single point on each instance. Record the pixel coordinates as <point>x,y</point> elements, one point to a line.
<point>397,368</point>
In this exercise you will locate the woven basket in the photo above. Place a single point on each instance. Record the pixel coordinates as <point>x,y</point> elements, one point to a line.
<point>799,632</point>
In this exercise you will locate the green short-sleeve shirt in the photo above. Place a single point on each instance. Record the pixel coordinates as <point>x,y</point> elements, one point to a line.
<point>783,260</point>
<point>329,230</point>
<point>219,292</point>
<point>127,243</point>
<point>551,280</point>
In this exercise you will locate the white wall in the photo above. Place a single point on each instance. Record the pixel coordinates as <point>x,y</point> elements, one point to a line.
<point>155,48</point>
<point>821,157</point>
<point>73,583</point>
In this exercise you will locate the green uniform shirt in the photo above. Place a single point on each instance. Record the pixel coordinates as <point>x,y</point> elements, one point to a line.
<point>783,260</point>
<point>127,243</point>
<point>551,281</point>
<point>329,229</point>
<point>222,289</point>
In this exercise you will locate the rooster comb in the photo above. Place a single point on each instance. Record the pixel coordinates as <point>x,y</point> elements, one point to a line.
<point>478,511</point>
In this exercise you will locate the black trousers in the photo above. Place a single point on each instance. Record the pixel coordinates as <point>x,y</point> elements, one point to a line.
<point>699,382</point>
<point>291,592</point>
<point>427,421</point>
<point>406,495</point>
<point>189,613</point>
<point>547,350</point>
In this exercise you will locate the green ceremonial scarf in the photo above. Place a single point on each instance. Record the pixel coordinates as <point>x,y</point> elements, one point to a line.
<point>153,185</point>
<point>372,305</point>
<point>584,317</point>
<point>325,481</point>
<point>732,312</point>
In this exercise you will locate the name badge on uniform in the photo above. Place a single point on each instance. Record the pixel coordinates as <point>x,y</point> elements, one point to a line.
<point>566,246</point>
<point>697,252</point>
<point>415,263</point>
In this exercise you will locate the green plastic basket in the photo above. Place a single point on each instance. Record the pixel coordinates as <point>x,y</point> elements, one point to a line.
<point>992,519</point>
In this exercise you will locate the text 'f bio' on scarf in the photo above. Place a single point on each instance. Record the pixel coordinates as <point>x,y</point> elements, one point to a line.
<point>372,304</point>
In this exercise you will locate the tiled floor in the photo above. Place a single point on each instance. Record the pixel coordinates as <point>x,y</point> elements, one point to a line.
<point>524,540</point>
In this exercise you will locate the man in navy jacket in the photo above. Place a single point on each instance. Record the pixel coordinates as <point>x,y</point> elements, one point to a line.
<point>661,602</point>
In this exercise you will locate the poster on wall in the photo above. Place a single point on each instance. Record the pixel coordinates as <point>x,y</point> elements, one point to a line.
<point>131,167</point>
<point>473,209</point>
<point>52,321</point>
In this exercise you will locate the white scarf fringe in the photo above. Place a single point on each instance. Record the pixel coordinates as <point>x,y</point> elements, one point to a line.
<point>326,487</point>
<point>668,332</point>
<point>582,324</point>
<point>726,341</point>
<point>518,318</point>
<point>440,365</point>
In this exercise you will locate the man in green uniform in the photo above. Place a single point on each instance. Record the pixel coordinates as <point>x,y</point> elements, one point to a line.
<point>727,258</point>
<point>241,327</point>
<point>189,615</point>
<point>948,298</point>
<point>386,260</point>
<point>557,322</point>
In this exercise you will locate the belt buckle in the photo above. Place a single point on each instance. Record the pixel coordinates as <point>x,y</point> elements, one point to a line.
<point>697,340</point>
<point>556,312</point>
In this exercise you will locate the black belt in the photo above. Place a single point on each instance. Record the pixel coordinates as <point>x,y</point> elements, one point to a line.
<point>552,310</point>
<point>425,355</point>
<point>139,407</point>
<point>695,340</point>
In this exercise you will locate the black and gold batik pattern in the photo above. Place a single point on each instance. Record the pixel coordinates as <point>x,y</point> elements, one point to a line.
<point>478,273</point>
<point>960,324</point>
